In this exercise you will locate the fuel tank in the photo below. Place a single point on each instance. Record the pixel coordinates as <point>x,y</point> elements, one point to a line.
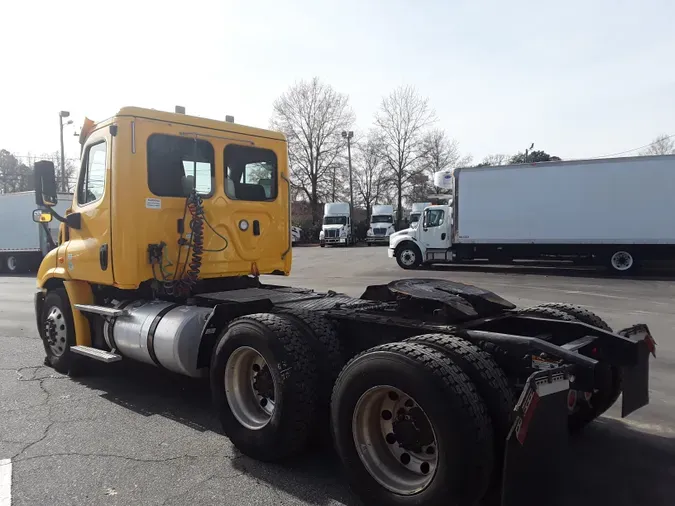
<point>159,333</point>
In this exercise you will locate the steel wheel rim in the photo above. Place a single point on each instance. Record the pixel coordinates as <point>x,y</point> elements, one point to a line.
<point>407,257</point>
<point>56,331</point>
<point>622,260</point>
<point>11,263</point>
<point>376,429</point>
<point>245,373</point>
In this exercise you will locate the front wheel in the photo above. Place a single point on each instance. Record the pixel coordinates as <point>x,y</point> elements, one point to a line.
<point>58,333</point>
<point>408,256</point>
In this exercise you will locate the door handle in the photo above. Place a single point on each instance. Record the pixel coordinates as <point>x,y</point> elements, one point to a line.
<point>256,227</point>
<point>103,256</point>
<point>443,236</point>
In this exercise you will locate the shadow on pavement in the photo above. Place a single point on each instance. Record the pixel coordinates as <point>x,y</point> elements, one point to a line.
<point>609,463</point>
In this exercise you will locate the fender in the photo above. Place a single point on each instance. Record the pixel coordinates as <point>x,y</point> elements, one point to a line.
<point>402,236</point>
<point>219,319</point>
<point>51,267</point>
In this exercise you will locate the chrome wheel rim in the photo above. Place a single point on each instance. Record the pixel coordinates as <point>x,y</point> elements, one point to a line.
<point>250,388</point>
<point>11,263</point>
<point>56,331</point>
<point>395,440</point>
<point>408,257</point>
<point>622,260</point>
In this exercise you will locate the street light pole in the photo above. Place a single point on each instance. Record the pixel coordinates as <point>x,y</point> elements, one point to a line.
<point>63,114</point>
<point>348,136</point>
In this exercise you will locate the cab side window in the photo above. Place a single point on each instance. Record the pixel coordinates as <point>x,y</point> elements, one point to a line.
<point>250,173</point>
<point>172,159</point>
<point>433,218</point>
<point>91,185</point>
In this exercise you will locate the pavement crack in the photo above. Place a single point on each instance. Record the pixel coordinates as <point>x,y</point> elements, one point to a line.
<point>39,440</point>
<point>108,455</point>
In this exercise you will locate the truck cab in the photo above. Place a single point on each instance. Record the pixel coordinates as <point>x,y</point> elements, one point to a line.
<point>430,240</point>
<point>416,211</point>
<point>337,225</point>
<point>381,225</point>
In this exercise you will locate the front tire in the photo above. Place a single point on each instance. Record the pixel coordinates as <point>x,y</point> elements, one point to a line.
<point>264,387</point>
<point>410,428</point>
<point>408,256</point>
<point>58,333</point>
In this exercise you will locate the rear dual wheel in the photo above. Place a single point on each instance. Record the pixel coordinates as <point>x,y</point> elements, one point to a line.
<point>410,428</point>
<point>271,376</point>
<point>584,407</point>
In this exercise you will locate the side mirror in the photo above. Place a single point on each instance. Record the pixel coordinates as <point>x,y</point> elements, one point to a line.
<point>42,216</point>
<point>45,183</point>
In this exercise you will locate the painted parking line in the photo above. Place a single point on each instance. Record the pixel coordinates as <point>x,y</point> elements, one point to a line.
<point>5,482</point>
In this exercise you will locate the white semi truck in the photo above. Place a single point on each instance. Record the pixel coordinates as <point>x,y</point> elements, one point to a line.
<point>337,225</point>
<point>618,212</point>
<point>23,243</point>
<point>416,212</point>
<point>381,224</point>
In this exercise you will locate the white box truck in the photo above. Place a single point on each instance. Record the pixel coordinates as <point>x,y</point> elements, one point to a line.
<point>337,225</point>
<point>619,212</point>
<point>24,243</point>
<point>381,224</point>
<point>416,212</point>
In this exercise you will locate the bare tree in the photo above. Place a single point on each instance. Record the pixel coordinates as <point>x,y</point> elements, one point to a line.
<point>15,176</point>
<point>494,160</point>
<point>662,145</point>
<point>71,171</point>
<point>313,115</point>
<point>441,153</point>
<point>370,178</point>
<point>402,119</point>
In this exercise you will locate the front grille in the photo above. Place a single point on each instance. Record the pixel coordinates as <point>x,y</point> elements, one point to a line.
<point>379,231</point>
<point>332,232</point>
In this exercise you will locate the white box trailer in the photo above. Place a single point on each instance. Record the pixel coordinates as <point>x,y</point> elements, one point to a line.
<point>23,243</point>
<point>618,211</point>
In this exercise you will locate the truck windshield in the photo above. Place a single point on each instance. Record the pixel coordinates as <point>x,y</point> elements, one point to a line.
<point>382,219</point>
<point>334,220</point>
<point>414,217</point>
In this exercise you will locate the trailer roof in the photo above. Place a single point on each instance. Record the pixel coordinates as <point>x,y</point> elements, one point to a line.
<point>576,162</point>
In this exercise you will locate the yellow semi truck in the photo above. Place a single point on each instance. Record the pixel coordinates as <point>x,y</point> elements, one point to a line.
<point>433,392</point>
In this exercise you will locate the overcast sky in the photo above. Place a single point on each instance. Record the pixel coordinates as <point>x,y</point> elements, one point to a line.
<point>577,78</point>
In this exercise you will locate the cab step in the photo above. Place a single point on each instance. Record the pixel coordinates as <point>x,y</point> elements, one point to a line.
<point>101,310</point>
<point>96,354</point>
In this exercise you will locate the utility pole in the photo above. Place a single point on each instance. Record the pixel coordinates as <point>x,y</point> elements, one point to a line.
<point>63,114</point>
<point>527,150</point>
<point>348,136</point>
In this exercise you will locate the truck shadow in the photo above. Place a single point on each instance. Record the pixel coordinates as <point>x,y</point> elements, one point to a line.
<point>609,463</point>
<point>556,269</point>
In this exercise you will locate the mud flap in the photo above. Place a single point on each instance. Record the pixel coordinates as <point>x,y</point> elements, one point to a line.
<point>635,380</point>
<point>537,444</point>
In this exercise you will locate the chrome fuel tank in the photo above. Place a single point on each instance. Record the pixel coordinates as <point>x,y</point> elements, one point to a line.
<point>160,333</point>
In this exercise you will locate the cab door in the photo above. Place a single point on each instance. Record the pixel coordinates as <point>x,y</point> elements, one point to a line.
<point>88,254</point>
<point>435,232</point>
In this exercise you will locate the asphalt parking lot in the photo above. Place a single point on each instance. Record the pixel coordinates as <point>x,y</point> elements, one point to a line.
<point>129,434</point>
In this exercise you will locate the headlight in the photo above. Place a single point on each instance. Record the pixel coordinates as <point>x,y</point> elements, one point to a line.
<point>321,234</point>
<point>343,232</point>
<point>370,232</point>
